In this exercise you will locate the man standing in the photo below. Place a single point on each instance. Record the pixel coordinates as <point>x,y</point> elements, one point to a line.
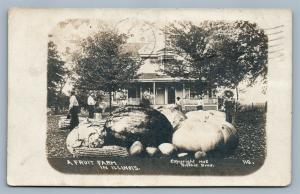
<point>73,110</point>
<point>91,106</point>
<point>229,109</point>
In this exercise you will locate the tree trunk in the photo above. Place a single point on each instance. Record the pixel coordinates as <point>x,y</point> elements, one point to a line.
<point>235,104</point>
<point>110,102</point>
<point>237,93</point>
<point>210,93</point>
<point>56,109</point>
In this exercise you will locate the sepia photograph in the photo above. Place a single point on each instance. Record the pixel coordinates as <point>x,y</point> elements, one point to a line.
<point>189,96</point>
<point>150,93</point>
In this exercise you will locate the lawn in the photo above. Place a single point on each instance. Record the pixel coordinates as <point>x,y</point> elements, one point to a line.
<point>250,125</point>
<point>252,135</point>
<point>56,139</point>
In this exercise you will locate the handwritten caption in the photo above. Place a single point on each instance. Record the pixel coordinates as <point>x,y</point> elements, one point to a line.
<point>191,163</point>
<point>103,165</point>
<point>114,165</point>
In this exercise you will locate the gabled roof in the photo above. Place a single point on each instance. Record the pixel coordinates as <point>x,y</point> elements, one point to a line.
<point>150,70</point>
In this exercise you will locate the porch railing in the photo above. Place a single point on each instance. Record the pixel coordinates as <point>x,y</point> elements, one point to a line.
<point>208,103</point>
<point>134,101</point>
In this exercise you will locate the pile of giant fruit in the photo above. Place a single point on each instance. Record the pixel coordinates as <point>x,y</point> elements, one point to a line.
<point>159,132</point>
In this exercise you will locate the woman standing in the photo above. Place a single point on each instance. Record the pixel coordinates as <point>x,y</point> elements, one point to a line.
<point>74,110</point>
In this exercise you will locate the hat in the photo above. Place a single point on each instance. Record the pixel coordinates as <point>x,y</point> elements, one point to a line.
<point>228,93</point>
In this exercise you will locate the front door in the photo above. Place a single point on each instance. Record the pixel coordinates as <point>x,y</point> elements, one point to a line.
<point>160,95</point>
<point>171,95</point>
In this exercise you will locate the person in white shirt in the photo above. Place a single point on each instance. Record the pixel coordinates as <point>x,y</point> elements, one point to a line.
<point>73,111</point>
<point>200,103</point>
<point>91,106</point>
<point>179,104</point>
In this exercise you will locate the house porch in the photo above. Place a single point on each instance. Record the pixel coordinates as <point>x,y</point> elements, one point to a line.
<point>164,93</point>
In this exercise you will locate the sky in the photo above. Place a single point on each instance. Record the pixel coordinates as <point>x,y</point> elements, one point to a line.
<point>66,36</point>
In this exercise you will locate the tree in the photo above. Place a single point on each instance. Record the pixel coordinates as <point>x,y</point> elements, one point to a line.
<point>55,77</point>
<point>104,64</point>
<point>219,53</point>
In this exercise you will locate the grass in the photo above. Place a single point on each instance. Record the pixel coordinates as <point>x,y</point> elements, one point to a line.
<point>56,139</point>
<point>251,132</point>
<point>252,135</point>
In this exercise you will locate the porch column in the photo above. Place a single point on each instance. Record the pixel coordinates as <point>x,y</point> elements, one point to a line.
<point>141,92</point>
<point>183,91</point>
<point>136,91</point>
<point>166,94</point>
<point>154,93</point>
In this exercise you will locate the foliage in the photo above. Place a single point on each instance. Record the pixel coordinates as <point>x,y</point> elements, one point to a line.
<point>56,78</point>
<point>219,53</point>
<point>104,64</point>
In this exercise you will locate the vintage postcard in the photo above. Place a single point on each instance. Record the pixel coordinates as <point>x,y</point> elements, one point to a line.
<point>149,97</point>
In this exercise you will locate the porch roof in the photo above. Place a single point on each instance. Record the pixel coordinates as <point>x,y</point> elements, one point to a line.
<point>154,77</point>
